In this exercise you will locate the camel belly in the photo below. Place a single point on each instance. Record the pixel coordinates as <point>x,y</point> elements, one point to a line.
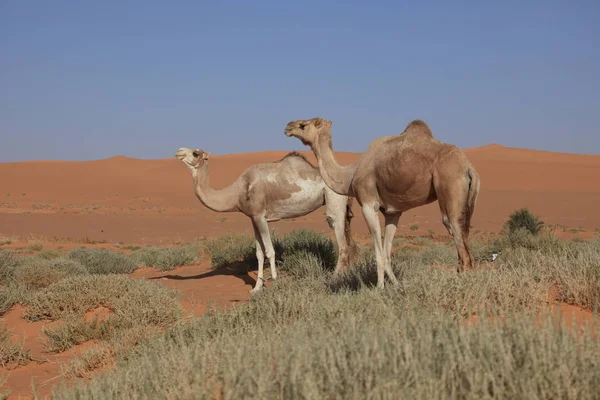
<point>306,200</point>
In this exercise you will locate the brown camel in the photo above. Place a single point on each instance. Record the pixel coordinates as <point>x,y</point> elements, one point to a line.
<point>288,188</point>
<point>396,174</point>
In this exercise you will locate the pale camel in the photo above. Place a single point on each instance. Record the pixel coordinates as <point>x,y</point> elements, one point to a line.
<point>395,174</point>
<point>288,188</point>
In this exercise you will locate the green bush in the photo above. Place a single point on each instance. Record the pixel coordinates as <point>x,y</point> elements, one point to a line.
<point>11,354</point>
<point>307,241</point>
<point>167,258</point>
<point>8,265</point>
<point>101,261</point>
<point>524,219</point>
<point>225,250</point>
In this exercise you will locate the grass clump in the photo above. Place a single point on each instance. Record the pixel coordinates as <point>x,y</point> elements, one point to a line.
<point>101,261</point>
<point>134,305</point>
<point>168,258</point>
<point>90,360</point>
<point>48,254</point>
<point>524,219</point>
<point>228,249</point>
<point>8,263</point>
<point>35,247</point>
<point>11,294</point>
<point>132,299</point>
<point>11,354</point>
<point>303,242</point>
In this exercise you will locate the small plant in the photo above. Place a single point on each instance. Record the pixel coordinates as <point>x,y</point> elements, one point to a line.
<point>414,227</point>
<point>101,261</point>
<point>11,353</point>
<point>524,219</point>
<point>131,247</point>
<point>35,247</point>
<point>222,219</point>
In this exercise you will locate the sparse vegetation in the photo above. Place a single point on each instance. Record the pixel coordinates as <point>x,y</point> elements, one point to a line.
<point>101,261</point>
<point>414,227</point>
<point>11,354</point>
<point>317,337</point>
<point>34,247</point>
<point>167,258</point>
<point>225,250</point>
<point>524,219</point>
<point>311,335</point>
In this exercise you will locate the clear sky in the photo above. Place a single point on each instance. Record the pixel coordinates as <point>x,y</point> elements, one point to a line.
<point>88,80</point>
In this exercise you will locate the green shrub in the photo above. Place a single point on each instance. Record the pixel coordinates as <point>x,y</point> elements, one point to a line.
<point>8,264</point>
<point>101,261</point>
<point>11,354</point>
<point>11,294</point>
<point>524,219</point>
<point>225,250</point>
<point>167,258</point>
<point>48,254</point>
<point>307,241</point>
<point>36,273</point>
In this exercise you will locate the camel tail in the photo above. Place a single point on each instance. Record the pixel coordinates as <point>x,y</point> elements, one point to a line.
<point>352,249</point>
<point>472,194</point>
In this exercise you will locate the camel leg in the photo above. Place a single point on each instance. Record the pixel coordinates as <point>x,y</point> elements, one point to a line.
<point>370,215</point>
<point>452,208</point>
<point>263,228</point>
<point>391,224</point>
<point>260,256</point>
<point>335,205</point>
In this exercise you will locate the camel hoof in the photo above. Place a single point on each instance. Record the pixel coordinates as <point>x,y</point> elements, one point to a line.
<point>253,291</point>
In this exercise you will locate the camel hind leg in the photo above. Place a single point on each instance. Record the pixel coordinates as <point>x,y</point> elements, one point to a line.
<point>338,217</point>
<point>454,193</point>
<point>370,214</point>
<point>261,230</point>
<point>260,256</point>
<point>391,224</point>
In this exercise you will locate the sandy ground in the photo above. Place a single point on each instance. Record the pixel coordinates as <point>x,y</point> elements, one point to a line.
<point>131,201</point>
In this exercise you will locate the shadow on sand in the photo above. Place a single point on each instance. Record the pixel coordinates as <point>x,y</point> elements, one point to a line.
<point>238,269</point>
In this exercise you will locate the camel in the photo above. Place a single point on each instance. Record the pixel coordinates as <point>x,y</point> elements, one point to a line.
<point>289,188</point>
<point>395,174</point>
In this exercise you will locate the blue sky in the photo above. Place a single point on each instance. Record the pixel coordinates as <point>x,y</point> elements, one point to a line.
<point>89,80</point>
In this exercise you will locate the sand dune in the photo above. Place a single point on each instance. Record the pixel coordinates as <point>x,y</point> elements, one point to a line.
<point>134,200</point>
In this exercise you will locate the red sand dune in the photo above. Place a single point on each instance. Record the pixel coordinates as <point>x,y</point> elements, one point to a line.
<point>152,201</point>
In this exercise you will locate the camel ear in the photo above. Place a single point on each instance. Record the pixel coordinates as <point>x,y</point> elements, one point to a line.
<point>318,122</point>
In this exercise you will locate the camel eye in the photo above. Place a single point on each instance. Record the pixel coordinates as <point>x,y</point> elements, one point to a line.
<point>195,153</point>
<point>302,126</point>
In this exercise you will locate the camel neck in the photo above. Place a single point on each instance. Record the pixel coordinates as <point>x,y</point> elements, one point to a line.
<point>337,177</point>
<point>219,200</point>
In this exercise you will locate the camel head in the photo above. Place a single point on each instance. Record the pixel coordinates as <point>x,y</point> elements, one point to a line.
<point>193,159</point>
<point>308,130</point>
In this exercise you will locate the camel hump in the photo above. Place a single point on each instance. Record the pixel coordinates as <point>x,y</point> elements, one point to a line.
<point>418,127</point>
<point>294,154</point>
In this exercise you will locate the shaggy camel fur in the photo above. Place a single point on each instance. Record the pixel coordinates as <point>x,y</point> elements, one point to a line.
<point>396,174</point>
<point>288,188</point>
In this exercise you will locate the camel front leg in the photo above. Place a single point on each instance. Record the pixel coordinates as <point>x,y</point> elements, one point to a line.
<point>263,228</point>
<point>391,224</point>
<point>370,214</point>
<point>336,218</point>
<point>260,256</point>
